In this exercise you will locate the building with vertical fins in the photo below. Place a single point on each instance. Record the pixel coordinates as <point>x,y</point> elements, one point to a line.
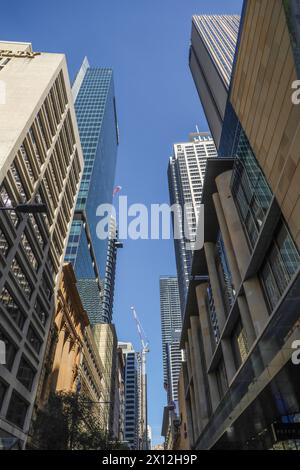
<point>95,107</point>
<point>40,162</point>
<point>171,324</point>
<point>110,272</point>
<point>213,44</point>
<point>186,173</point>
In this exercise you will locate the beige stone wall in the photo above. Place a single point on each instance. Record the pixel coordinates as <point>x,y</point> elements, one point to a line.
<point>182,442</point>
<point>261,95</point>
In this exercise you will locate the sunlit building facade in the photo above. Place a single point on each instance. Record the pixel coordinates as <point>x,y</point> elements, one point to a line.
<point>40,163</point>
<point>186,173</point>
<point>213,44</point>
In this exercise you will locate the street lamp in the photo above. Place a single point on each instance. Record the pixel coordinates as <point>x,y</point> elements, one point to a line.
<point>26,208</point>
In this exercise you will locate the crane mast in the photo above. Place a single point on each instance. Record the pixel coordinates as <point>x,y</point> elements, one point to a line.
<point>143,383</point>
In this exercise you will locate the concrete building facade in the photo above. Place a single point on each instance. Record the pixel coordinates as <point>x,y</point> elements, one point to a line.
<point>171,324</point>
<point>186,174</point>
<point>71,363</point>
<point>40,162</point>
<point>132,395</point>
<point>241,385</point>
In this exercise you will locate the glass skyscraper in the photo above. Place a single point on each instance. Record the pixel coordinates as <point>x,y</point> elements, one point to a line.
<point>94,96</point>
<point>213,44</point>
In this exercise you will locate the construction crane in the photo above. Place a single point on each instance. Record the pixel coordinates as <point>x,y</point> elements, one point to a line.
<point>143,382</point>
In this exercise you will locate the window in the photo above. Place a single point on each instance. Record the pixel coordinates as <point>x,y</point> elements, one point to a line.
<point>11,306</point>
<point>26,374</point>
<point>42,130</point>
<point>36,230</point>
<point>239,344</point>
<point>19,183</point>
<point>7,200</point>
<point>29,252</point>
<point>280,265</point>
<point>48,290</point>
<point>32,137</point>
<point>224,274</point>
<point>213,325</point>
<point>21,278</point>
<point>27,162</point>
<point>17,410</point>
<point>34,339</point>
<point>10,350</point>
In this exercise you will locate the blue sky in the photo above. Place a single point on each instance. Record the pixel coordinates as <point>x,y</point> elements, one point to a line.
<point>146,42</point>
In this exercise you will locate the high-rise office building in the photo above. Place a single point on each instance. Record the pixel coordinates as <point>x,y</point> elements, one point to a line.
<point>40,162</point>
<point>110,272</point>
<point>213,44</point>
<point>132,395</point>
<point>94,96</point>
<point>186,175</point>
<point>171,324</point>
<point>240,379</point>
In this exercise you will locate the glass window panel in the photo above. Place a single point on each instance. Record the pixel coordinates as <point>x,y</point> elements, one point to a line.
<point>288,251</point>
<point>10,350</point>
<point>17,410</point>
<point>270,286</point>
<point>12,308</point>
<point>21,278</point>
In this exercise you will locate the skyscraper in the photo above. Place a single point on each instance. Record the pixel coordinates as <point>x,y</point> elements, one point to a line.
<point>186,175</point>
<point>239,362</point>
<point>110,272</point>
<point>171,324</point>
<point>213,43</point>
<point>132,395</point>
<point>94,96</point>
<point>40,162</point>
